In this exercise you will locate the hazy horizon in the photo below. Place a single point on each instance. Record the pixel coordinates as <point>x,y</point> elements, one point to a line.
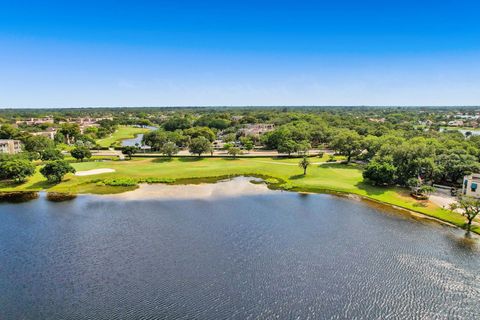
<point>239,107</point>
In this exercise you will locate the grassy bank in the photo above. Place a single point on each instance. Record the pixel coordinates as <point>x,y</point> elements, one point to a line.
<point>122,133</point>
<point>321,178</point>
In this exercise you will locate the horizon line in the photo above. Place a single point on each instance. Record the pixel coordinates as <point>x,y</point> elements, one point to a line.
<point>246,106</point>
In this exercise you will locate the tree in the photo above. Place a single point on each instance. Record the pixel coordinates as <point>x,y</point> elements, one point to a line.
<point>51,154</point>
<point>169,149</point>
<point>200,145</point>
<point>175,123</point>
<point>414,184</point>
<point>412,158</point>
<point>37,144</point>
<point>348,143</point>
<point>70,131</point>
<point>16,169</point>
<point>60,138</point>
<point>381,171</point>
<point>227,146</point>
<point>200,132</point>
<point>129,151</point>
<point>275,138</point>
<point>454,166</point>
<point>8,132</point>
<point>178,138</point>
<point>54,171</point>
<point>419,188</point>
<point>144,123</point>
<point>81,153</point>
<point>230,137</point>
<point>155,139</point>
<point>469,207</point>
<point>287,146</point>
<point>247,143</point>
<point>304,163</point>
<point>212,122</point>
<point>234,151</point>
<point>303,147</point>
<point>426,190</point>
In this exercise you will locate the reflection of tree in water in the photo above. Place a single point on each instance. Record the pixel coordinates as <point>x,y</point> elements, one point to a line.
<point>467,243</point>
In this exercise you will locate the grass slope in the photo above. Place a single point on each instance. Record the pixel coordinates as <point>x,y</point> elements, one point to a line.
<point>122,133</point>
<point>320,178</point>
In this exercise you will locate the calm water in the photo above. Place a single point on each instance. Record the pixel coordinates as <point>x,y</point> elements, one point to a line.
<point>261,255</point>
<point>137,141</point>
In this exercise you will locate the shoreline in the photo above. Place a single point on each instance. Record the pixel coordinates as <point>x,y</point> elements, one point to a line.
<point>272,183</point>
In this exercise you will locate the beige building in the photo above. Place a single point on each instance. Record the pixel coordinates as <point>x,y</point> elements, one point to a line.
<point>49,133</point>
<point>10,146</point>
<point>471,185</point>
<point>34,121</point>
<point>257,129</point>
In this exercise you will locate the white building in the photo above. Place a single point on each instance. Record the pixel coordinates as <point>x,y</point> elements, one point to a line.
<point>471,185</point>
<point>10,146</point>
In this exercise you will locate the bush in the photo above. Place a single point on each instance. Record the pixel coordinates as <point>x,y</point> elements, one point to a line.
<point>60,196</point>
<point>119,182</point>
<point>271,181</point>
<point>158,180</point>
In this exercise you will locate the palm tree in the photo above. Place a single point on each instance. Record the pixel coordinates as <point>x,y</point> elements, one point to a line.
<point>304,163</point>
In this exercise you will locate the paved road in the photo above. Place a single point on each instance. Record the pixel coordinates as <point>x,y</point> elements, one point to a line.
<point>109,153</point>
<point>256,153</point>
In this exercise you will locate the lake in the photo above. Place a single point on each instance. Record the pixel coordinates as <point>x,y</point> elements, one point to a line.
<point>137,140</point>
<point>231,250</point>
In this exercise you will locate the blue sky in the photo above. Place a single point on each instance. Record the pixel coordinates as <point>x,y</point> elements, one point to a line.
<point>163,53</point>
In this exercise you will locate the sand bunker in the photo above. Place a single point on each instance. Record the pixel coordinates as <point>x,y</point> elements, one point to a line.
<point>94,171</point>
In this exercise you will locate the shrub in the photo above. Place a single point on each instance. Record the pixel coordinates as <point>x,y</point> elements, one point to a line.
<point>60,196</point>
<point>158,180</point>
<point>120,182</point>
<point>271,181</point>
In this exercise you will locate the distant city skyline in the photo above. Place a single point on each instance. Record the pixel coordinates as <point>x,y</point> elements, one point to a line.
<point>248,53</point>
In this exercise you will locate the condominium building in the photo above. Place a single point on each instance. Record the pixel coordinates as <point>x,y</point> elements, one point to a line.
<point>10,146</point>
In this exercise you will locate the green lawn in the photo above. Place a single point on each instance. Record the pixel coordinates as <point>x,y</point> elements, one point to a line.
<point>122,133</point>
<point>320,178</point>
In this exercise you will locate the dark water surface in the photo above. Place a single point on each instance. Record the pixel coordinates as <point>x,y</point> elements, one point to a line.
<point>137,141</point>
<point>272,255</point>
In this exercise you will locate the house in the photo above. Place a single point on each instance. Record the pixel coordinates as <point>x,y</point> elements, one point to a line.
<point>467,116</point>
<point>35,121</point>
<point>218,144</point>
<point>10,146</point>
<point>50,134</point>
<point>456,123</point>
<point>257,129</point>
<point>471,185</point>
<point>426,123</point>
